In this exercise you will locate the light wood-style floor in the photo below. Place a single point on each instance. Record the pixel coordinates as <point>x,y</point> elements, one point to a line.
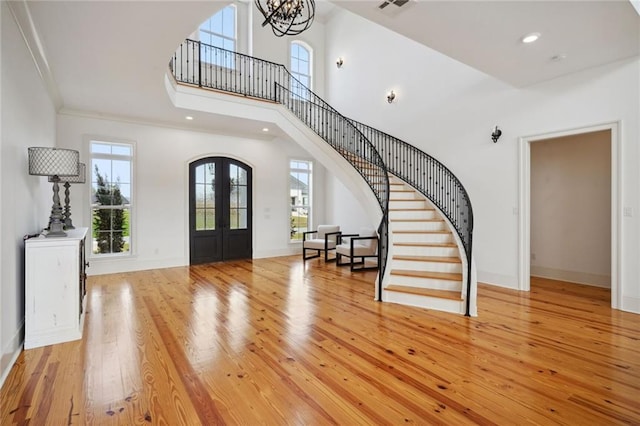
<point>276,342</point>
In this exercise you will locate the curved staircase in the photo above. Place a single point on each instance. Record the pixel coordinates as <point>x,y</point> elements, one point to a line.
<point>427,221</point>
<point>425,265</point>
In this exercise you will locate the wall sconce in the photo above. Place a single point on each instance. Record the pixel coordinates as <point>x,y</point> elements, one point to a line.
<point>496,134</point>
<point>391,96</point>
<point>339,62</point>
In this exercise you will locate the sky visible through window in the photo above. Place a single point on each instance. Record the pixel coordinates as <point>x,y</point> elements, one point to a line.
<point>112,169</point>
<point>300,69</point>
<point>220,29</point>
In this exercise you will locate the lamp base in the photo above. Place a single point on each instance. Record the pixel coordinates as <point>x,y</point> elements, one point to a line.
<point>48,234</point>
<point>56,227</point>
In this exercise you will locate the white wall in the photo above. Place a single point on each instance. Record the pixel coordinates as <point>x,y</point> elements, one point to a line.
<point>28,119</point>
<point>161,199</point>
<point>277,49</point>
<point>571,208</point>
<point>343,209</point>
<point>448,109</point>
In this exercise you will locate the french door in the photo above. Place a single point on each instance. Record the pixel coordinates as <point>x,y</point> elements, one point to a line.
<point>220,210</point>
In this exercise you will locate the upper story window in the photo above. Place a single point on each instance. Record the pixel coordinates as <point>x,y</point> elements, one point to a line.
<point>219,31</point>
<point>301,58</point>
<point>111,197</point>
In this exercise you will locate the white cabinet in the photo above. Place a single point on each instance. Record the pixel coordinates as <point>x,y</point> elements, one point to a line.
<point>55,289</point>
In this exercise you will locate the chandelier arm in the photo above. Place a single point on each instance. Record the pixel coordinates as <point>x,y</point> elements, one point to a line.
<point>285,21</point>
<point>267,19</point>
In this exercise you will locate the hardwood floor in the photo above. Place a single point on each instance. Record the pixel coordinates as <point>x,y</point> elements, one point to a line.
<point>275,342</point>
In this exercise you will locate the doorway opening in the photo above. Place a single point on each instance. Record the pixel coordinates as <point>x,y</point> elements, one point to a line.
<point>220,210</point>
<point>528,210</point>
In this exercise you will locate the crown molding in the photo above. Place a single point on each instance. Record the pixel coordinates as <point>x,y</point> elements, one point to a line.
<point>22,17</point>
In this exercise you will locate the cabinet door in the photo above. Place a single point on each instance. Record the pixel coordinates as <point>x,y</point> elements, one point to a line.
<point>52,288</point>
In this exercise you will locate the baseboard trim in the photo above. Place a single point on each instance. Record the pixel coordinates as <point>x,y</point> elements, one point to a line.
<point>11,352</point>
<point>498,280</point>
<point>277,253</point>
<point>131,264</point>
<point>631,304</point>
<point>572,276</point>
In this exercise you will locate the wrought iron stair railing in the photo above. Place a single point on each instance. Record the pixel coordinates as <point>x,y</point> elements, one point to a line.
<point>348,141</point>
<point>214,68</point>
<point>432,179</point>
<point>370,151</point>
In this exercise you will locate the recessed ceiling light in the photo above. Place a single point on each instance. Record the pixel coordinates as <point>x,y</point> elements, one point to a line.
<point>530,38</point>
<point>188,117</point>
<point>265,129</point>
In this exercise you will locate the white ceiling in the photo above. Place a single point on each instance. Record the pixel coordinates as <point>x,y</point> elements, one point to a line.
<point>110,57</point>
<point>487,34</point>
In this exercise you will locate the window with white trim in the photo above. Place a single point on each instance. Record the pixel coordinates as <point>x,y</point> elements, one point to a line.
<point>301,59</point>
<point>300,181</point>
<point>219,31</point>
<point>111,197</point>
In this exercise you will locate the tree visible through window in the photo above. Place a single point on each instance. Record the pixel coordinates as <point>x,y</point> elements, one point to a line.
<point>111,183</point>
<point>300,196</point>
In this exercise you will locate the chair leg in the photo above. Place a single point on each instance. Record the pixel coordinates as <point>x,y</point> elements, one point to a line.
<point>326,256</point>
<point>339,258</point>
<point>304,254</point>
<point>362,262</point>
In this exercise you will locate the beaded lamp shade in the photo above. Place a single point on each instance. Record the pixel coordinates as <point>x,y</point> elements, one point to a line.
<point>53,161</point>
<point>80,178</point>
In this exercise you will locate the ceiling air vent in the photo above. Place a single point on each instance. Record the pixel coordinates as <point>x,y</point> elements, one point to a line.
<point>400,5</point>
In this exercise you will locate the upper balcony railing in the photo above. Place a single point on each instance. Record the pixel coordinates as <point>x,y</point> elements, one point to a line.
<point>211,67</point>
<point>372,152</point>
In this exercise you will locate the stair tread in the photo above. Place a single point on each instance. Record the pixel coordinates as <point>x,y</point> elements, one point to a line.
<point>450,276</point>
<point>439,259</point>
<point>419,244</point>
<point>426,209</point>
<point>416,220</point>
<point>441,294</point>
<point>417,231</point>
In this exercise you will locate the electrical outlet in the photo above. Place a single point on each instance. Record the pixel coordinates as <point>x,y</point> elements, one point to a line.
<point>628,211</point>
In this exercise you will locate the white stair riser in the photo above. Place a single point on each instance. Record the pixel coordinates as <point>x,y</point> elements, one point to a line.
<point>404,195</point>
<point>446,305</point>
<point>412,265</point>
<point>425,251</point>
<point>413,214</point>
<point>408,204</point>
<point>417,226</point>
<point>421,238</point>
<point>420,282</point>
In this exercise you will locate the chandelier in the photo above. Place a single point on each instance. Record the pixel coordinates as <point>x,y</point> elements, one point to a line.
<point>287,17</point>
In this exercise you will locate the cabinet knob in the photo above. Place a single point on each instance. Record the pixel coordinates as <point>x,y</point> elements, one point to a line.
<point>86,264</point>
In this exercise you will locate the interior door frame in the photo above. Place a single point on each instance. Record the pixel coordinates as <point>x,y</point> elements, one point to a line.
<point>524,224</point>
<point>186,200</point>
